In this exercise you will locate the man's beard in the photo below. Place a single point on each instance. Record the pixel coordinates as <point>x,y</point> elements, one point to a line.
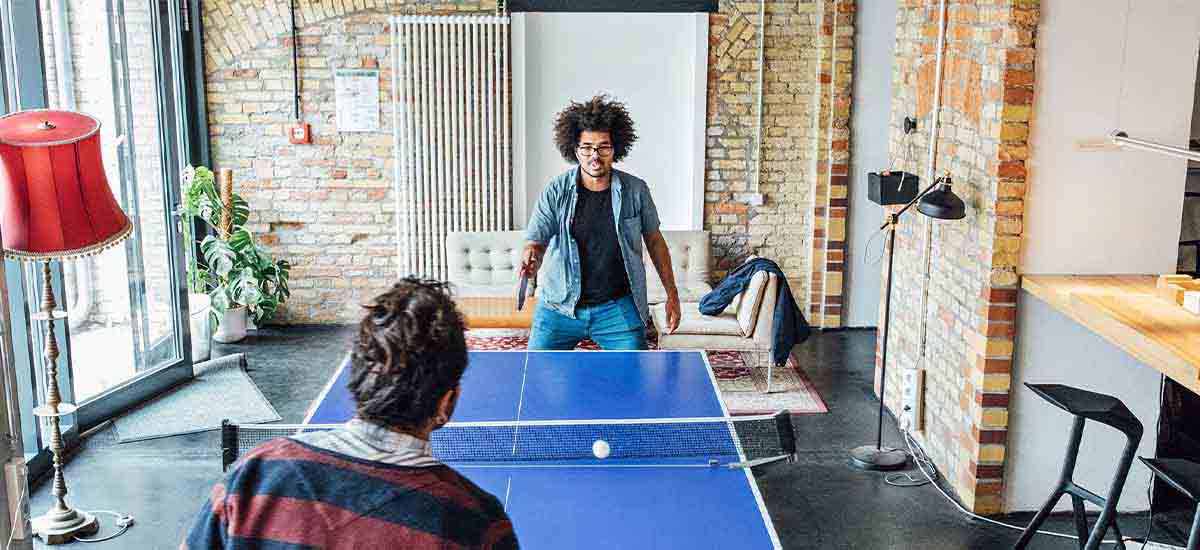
<point>599,171</point>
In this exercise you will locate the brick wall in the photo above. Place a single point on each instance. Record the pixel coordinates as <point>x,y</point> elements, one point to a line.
<point>831,162</point>
<point>778,208</point>
<point>987,90</point>
<point>329,207</point>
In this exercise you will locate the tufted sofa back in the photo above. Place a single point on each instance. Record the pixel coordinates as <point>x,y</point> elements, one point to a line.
<point>485,263</point>
<point>689,261</point>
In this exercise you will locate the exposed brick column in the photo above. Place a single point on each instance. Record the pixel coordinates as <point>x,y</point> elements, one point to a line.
<point>994,350</point>
<point>831,131</point>
<point>967,344</point>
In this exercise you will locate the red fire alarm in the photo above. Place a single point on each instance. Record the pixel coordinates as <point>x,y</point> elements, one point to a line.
<point>300,133</point>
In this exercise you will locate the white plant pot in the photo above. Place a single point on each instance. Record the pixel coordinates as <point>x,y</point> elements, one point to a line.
<point>233,326</point>
<point>200,307</point>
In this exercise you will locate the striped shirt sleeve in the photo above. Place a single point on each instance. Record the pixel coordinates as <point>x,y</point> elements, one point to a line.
<point>209,530</point>
<point>500,536</point>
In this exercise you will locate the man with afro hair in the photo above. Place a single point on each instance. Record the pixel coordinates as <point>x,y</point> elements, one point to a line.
<point>586,235</point>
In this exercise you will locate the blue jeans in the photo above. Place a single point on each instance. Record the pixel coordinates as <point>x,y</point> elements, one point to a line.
<point>615,325</point>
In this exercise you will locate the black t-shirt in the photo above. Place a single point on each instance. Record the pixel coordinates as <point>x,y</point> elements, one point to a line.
<point>601,267</point>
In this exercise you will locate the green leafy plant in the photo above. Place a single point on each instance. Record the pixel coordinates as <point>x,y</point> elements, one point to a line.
<point>236,271</point>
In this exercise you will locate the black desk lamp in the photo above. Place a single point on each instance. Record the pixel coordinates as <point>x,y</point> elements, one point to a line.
<point>942,204</point>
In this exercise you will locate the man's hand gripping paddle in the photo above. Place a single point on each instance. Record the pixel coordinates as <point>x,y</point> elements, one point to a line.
<point>523,287</point>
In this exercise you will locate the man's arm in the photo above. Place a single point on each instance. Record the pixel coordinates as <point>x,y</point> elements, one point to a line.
<point>543,226</point>
<point>660,255</point>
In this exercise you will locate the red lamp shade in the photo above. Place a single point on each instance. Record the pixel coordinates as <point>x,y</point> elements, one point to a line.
<point>55,201</point>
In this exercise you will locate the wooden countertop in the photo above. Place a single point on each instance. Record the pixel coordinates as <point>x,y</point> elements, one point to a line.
<point>1124,310</point>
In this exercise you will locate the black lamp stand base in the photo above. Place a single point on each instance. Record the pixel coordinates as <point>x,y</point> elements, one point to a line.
<point>870,457</point>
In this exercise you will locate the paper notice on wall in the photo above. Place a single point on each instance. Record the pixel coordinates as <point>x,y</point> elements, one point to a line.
<point>356,95</point>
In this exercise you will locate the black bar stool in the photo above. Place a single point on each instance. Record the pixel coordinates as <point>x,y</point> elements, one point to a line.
<point>1105,409</point>
<point>1184,476</point>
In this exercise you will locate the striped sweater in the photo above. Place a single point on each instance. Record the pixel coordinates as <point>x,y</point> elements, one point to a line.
<point>289,494</point>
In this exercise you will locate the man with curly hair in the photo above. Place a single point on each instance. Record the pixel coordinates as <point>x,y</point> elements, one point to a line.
<point>372,482</point>
<point>586,234</point>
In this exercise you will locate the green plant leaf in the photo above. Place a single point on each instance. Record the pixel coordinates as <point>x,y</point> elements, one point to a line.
<point>241,240</point>
<point>219,256</point>
<point>241,210</point>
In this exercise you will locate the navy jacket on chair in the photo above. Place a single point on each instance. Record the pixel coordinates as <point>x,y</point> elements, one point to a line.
<point>791,327</point>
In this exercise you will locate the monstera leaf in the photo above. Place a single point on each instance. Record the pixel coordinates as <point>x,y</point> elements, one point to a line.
<point>219,255</point>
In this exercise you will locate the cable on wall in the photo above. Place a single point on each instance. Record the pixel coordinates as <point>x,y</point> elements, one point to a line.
<point>931,168</point>
<point>295,65</point>
<point>758,124</point>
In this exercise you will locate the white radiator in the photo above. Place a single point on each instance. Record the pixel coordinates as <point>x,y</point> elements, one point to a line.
<point>452,133</point>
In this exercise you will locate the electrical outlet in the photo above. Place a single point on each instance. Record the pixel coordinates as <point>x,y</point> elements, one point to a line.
<point>912,398</point>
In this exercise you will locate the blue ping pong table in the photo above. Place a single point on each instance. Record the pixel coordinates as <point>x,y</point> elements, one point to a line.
<point>637,504</point>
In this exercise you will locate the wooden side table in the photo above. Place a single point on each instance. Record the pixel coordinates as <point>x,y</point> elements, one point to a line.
<point>496,312</point>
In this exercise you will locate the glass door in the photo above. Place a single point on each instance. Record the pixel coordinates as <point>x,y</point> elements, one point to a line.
<point>117,60</point>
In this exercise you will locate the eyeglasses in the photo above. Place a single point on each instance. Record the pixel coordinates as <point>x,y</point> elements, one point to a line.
<point>603,150</point>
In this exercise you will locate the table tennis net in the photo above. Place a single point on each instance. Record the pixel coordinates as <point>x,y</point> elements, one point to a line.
<point>722,439</point>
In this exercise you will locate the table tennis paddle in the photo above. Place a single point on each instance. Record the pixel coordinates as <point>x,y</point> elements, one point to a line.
<point>521,291</point>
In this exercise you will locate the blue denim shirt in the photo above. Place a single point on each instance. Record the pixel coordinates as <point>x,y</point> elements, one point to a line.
<point>550,224</point>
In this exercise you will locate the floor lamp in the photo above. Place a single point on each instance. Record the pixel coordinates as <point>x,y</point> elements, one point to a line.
<point>940,203</point>
<point>55,204</point>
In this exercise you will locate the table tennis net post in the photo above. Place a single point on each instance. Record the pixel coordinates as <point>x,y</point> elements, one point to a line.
<point>727,441</point>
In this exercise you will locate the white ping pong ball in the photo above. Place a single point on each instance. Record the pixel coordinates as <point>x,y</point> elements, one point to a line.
<point>600,448</point>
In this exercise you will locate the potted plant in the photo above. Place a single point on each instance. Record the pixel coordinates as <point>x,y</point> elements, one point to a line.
<point>199,304</point>
<point>240,277</point>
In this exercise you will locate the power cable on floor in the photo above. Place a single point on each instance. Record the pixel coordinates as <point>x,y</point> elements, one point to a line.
<point>925,465</point>
<point>124,522</point>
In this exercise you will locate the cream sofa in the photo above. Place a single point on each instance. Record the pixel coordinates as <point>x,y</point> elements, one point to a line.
<point>747,324</point>
<point>486,263</point>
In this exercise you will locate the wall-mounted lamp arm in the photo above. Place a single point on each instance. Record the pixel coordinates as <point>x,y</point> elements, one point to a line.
<point>1122,139</point>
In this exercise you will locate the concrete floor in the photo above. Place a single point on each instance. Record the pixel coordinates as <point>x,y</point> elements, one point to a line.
<point>818,502</point>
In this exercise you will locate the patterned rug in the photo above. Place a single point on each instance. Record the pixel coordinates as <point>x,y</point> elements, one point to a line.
<point>741,385</point>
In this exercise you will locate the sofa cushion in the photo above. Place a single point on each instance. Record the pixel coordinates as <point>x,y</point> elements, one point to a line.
<point>691,321</point>
<point>484,263</point>
<point>659,295</point>
<point>735,305</point>
<point>689,263</point>
<point>751,302</point>
<point>707,341</point>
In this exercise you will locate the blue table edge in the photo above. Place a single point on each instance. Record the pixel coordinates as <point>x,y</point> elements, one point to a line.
<point>753,483</point>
